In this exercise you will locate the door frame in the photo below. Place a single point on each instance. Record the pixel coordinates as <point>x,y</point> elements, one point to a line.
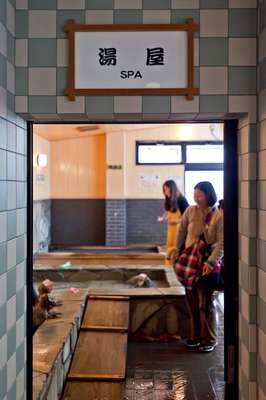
<point>231,250</point>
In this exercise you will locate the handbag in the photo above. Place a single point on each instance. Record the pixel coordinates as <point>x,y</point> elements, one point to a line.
<point>188,267</point>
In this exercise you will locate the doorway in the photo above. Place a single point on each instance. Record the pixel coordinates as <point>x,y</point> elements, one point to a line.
<point>231,252</point>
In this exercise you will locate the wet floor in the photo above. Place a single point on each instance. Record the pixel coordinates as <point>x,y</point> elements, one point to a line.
<point>169,371</point>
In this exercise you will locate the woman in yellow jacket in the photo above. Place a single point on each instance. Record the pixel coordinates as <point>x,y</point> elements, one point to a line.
<point>175,205</point>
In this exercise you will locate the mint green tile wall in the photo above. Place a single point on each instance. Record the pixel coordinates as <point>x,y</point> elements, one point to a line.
<point>12,210</point>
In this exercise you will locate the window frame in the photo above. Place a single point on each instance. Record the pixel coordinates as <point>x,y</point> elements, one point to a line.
<point>156,142</point>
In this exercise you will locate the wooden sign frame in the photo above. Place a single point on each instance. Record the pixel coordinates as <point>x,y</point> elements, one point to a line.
<point>190,91</point>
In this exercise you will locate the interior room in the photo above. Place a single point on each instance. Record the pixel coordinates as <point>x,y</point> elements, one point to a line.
<point>97,201</point>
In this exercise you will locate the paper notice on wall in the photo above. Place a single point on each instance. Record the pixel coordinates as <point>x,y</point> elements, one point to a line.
<point>149,180</point>
<point>176,178</point>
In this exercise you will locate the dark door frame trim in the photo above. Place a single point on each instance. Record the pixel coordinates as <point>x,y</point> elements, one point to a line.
<point>230,245</point>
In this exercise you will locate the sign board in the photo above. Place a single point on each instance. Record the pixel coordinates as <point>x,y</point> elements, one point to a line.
<point>130,59</point>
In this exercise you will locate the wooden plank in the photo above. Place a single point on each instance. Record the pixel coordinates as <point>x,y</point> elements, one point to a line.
<point>117,329</point>
<point>93,390</point>
<point>100,353</point>
<point>94,377</point>
<point>109,298</point>
<point>106,313</point>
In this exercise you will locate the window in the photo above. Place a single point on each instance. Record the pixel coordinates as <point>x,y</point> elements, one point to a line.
<point>204,162</point>
<point>159,153</point>
<point>194,177</point>
<point>205,153</point>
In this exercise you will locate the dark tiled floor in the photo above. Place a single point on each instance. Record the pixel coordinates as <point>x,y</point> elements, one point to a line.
<point>168,371</point>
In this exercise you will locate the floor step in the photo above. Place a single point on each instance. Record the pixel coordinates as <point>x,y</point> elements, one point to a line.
<point>98,367</point>
<point>93,390</point>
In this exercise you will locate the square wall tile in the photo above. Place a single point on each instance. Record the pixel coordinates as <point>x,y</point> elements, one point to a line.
<point>20,329</point>
<point>242,51</point>
<point>21,170</point>
<point>10,78</point>
<point>20,303</point>
<point>20,275</point>
<point>156,104</point>
<point>21,195</point>
<point>241,104</point>
<point>242,80</point>
<point>42,5</point>
<point>3,40</point>
<point>3,224</point>
<point>70,4</point>
<point>242,22</point>
<point>180,16</point>
<point>21,52</point>
<point>128,4</point>
<point>21,4</point>
<point>11,312</point>
<point>213,104</point>
<point>3,361</point>
<point>22,24</point>
<point>11,283</point>
<point>99,5</point>
<point>3,164</point>
<point>11,195</point>
<point>186,4</point>
<point>11,372</point>
<point>262,75</point>
<point>62,16</point>
<point>3,268</point>
<point>20,358</point>
<point>213,80</point>
<point>3,133</point>
<point>11,225</point>
<point>99,17</point>
<point>213,52</point>
<point>213,23</point>
<point>10,48</point>
<point>127,104</point>
<point>11,137</point>
<point>3,196</point>
<point>2,328</point>
<point>11,253</point>
<point>21,221</point>
<point>21,141</point>
<point>156,17</point>
<point>21,104</point>
<point>3,103</point>
<point>213,3</point>
<point>3,13</point>
<point>11,166</point>
<point>179,104</point>
<point>20,253</point>
<point>3,71</point>
<point>22,81</point>
<point>128,17</point>
<point>242,3</point>
<point>42,52</point>
<point>42,24</point>
<point>64,106</point>
<point>3,298</point>
<point>62,52</point>
<point>61,81</point>
<point>11,342</point>
<point>99,104</point>
<point>156,4</point>
<point>42,81</point>
<point>10,18</point>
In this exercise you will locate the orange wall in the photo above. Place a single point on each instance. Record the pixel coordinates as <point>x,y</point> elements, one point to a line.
<point>78,168</point>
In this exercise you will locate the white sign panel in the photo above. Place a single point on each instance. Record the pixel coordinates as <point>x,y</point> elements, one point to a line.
<point>131,59</point>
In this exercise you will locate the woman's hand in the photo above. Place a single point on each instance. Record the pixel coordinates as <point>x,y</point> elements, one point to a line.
<point>206,270</point>
<point>172,254</point>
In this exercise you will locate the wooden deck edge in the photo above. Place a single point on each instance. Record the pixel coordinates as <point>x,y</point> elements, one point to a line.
<point>94,377</point>
<point>116,329</point>
<point>111,297</point>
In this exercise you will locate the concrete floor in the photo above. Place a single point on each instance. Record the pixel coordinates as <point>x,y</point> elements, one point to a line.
<point>169,371</point>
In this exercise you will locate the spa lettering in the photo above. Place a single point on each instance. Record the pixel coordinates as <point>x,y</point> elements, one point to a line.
<point>108,58</point>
